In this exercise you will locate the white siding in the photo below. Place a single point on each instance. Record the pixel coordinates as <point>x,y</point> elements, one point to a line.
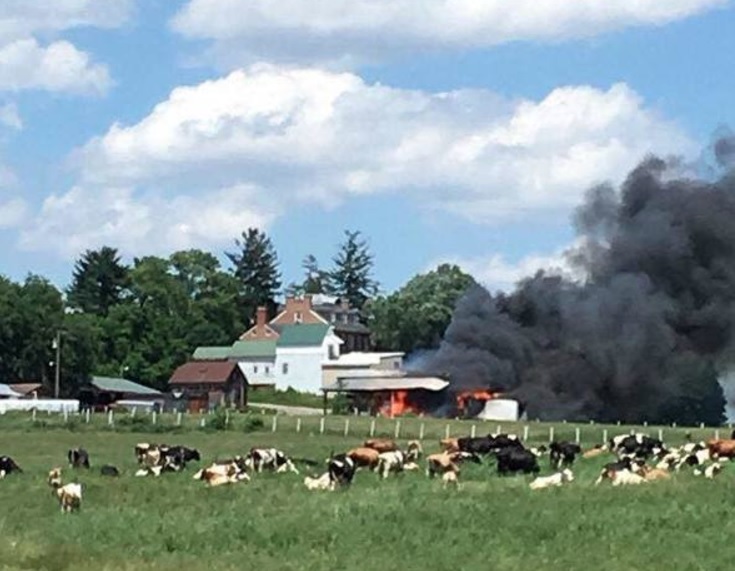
<point>262,372</point>
<point>304,368</point>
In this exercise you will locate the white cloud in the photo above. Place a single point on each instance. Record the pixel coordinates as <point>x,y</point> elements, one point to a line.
<point>143,224</point>
<point>307,134</point>
<point>59,66</point>
<point>12,213</point>
<point>10,117</point>
<point>498,274</point>
<point>329,30</point>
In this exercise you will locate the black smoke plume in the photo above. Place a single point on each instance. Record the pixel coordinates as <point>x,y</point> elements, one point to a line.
<point>647,332</point>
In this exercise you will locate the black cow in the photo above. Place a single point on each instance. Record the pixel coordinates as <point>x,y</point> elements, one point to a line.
<point>563,454</point>
<point>8,466</point>
<point>175,458</point>
<point>637,446</point>
<point>488,444</point>
<point>500,441</point>
<point>108,470</point>
<point>512,460</point>
<point>78,458</point>
<point>341,469</point>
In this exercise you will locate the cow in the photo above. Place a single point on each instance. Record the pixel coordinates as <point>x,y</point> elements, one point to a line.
<point>78,458</point>
<point>110,471</point>
<point>636,445</point>
<point>597,450</point>
<point>141,451</point>
<point>221,474</point>
<point>710,471</point>
<point>270,459</point>
<point>182,454</point>
<point>154,471</point>
<point>450,479</point>
<point>8,466</point>
<point>513,460</point>
<point>554,480</point>
<point>381,444</point>
<point>721,448</point>
<point>70,497</point>
<point>414,451</point>
<point>448,462</point>
<point>562,454</point>
<point>323,482</point>
<point>341,469</point>
<point>54,478</point>
<point>365,457</point>
<point>651,474</point>
<point>627,478</point>
<point>623,465</point>
<point>390,462</point>
<point>449,444</point>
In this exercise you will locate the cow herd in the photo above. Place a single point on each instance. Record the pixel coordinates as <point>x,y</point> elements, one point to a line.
<point>638,459</point>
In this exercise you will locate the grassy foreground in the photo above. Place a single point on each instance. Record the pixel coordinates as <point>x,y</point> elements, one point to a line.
<point>405,523</point>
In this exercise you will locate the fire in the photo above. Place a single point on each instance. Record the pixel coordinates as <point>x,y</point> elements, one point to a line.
<point>397,403</point>
<point>477,394</point>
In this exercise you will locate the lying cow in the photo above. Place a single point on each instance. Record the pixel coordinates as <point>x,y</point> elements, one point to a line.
<point>444,462</point>
<point>8,466</point>
<point>341,469</point>
<point>110,471</point>
<point>721,448</point>
<point>381,444</point>
<point>710,471</point>
<point>636,445</point>
<point>554,480</point>
<point>651,474</point>
<point>595,451</point>
<point>221,474</point>
<point>562,454</point>
<point>414,451</point>
<point>323,482</point>
<point>609,469</point>
<point>513,460</point>
<point>78,458</point>
<point>449,444</point>
<point>270,459</point>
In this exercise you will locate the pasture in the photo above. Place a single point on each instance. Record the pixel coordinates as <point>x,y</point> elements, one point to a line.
<point>404,523</point>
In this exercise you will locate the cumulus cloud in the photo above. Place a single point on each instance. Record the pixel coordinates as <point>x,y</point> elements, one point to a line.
<point>12,213</point>
<point>10,117</point>
<point>308,134</point>
<point>143,223</point>
<point>329,30</point>
<point>59,66</point>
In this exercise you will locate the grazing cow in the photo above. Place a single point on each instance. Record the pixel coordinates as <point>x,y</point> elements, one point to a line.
<point>183,454</point>
<point>323,482</point>
<point>8,466</point>
<point>390,462</point>
<point>365,457</point>
<point>562,454</point>
<point>710,471</point>
<point>414,451</point>
<point>449,444</point>
<point>489,443</point>
<point>381,444</point>
<point>512,460</point>
<point>78,458</point>
<point>270,459</point>
<point>70,497</point>
<point>450,479</point>
<point>721,448</point>
<point>341,469</point>
<point>109,470</point>
<point>554,480</point>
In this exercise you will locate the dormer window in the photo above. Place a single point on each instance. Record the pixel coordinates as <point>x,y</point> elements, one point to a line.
<point>298,317</point>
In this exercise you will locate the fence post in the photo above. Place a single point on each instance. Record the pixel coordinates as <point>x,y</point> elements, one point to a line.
<point>203,422</point>
<point>525,433</point>
<point>298,425</point>
<point>87,415</point>
<point>347,426</point>
<point>701,425</point>
<point>645,423</point>
<point>66,415</point>
<point>499,429</point>
<point>673,425</point>
<point>178,418</point>
<point>110,418</point>
<point>398,429</point>
<point>604,435</point>
<point>551,433</point>
<point>275,423</point>
<point>132,412</point>
<point>421,431</point>
<point>33,415</point>
<point>717,434</point>
<point>661,434</point>
<point>321,425</point>
<point>473,431</point>
<point>577,435</point>
<point>153,417</point>
<point>446,432</point>
<point>372,428</point>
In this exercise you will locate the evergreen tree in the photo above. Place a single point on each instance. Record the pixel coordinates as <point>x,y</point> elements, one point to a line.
<point>98,281</point>
<point>351,277</point>
<point>315,279</point>
<point>255,265</point>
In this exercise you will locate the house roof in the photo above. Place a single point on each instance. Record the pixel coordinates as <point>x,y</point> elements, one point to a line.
<point>211,372</point>
<point>386,383</point>
<point>303,335</point>
<point>113,385</point>
<point>253,349</point>
<point>6,391</point>
<point>361,359</point>
<point>25,388</point>
<point>211,353</point>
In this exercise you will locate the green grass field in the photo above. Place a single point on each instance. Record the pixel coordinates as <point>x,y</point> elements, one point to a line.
<point>404,523</point>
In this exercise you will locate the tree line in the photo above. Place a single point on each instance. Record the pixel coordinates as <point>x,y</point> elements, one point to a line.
<point>142,320</point>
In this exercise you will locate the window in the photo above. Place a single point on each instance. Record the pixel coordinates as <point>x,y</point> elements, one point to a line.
<point>333,317</point>
<point>267,370</point>
<point>332,353</point>
<point>297,317</point>
<point>255,369</point>
<point>284,368</point>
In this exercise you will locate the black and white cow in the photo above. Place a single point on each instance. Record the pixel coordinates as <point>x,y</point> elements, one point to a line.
<point>636,445</point>
<point>341,469</point>
<point>513,460</point>
<point>180,455</point>
<point>108,470</point>
<point>270,459</point>
<point>78,458</point>
<point>563,454</point>
<point>8,466</point>
<point>488,444</point>
<point>625,464</point>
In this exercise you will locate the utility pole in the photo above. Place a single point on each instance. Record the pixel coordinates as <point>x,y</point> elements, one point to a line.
<point>57,377</point>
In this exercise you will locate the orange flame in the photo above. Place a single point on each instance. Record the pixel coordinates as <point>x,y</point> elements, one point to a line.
<point>397,403</point>
<point>477,394</point>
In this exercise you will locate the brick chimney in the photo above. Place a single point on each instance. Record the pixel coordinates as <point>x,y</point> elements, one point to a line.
<point>261,319</point>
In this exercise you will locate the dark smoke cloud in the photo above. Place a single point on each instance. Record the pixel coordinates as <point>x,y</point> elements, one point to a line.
<point>645,335</point>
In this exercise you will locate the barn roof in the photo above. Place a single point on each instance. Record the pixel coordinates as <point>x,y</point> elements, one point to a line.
<point>386,383</point>
<point>210,372</point>
<point>6,391</point>
<point>211,353</point>
<point>114,385</point>
<point>25,388</point>
<point>303,335</point>
<point>253,349</point>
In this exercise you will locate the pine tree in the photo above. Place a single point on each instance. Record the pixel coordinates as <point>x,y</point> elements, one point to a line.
<point>98,281</point>
<point>351,277</point>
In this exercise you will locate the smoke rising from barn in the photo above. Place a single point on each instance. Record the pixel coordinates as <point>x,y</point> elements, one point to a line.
<point>646,333</point>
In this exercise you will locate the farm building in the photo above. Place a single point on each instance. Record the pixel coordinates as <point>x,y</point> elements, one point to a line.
<point>30,390</point>
<point>104,392</point>
<point>356,363</point>
<point>390,393</point>
<point>6,392</point>
<point>204,385</point>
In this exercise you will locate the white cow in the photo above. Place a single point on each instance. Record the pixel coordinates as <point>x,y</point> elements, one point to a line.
<point>70,497</point>
<point>554,480</point>
<point>390,462</point>
<point>323,482</point>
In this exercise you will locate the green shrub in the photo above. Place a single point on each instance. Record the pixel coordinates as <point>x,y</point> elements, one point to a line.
<point>253,424</point>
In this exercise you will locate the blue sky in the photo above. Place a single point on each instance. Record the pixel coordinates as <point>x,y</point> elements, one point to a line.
<point>458,130</point>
